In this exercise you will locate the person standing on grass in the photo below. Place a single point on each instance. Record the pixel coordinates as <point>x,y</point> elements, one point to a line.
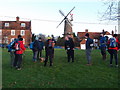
<point>113,49</point>
<point>19,47</point>
<point>89,43</point>
<point>69,47</point>
<point>11,49</point>
<point>40,48</point>
<point>103,43</point>
<point>35,49</point>
<point>53,39</point>
<point>49,50</point>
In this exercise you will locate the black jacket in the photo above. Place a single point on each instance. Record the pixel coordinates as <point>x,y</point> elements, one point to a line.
<point>36,45</point>
<point>69,44</point>
<point>88,42</point>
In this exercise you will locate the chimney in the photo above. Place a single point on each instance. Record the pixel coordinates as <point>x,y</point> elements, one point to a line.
<point>112,32</point>
<point>86,30</point>
<point>17,18</point>
<point>103,30</point>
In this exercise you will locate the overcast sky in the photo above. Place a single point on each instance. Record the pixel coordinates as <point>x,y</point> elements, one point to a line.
<point>45,16</point>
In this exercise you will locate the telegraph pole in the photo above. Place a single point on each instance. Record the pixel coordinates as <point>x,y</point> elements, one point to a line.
<point>115,30</point>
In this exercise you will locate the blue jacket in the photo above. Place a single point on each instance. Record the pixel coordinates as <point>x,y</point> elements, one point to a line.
<point>88,42</point>
<point>103,41</point>
<point>9,46</point>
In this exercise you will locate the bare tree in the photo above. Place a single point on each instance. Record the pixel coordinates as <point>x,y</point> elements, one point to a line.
<point>112,11</point>
<point>43,36</point>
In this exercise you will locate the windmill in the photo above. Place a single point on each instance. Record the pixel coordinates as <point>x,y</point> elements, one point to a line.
<point>67,23</point>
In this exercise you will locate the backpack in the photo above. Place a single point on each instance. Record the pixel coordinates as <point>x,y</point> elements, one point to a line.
<point>31,45</point>
<point>103,41</point>
<point>11,46</point>
<point>50,43</point>
<point>113,43</point>
<point>17,46</point>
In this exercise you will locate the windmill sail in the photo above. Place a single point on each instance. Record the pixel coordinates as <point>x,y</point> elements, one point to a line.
<point>67,24</point>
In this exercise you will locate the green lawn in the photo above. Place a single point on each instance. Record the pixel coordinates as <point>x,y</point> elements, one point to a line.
<point>62,74</point>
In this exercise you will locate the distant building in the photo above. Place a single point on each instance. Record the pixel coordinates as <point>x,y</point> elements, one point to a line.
<point>11,29</point>
<point>94,35</point>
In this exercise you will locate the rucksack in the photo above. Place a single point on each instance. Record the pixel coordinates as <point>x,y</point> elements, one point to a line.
<point>103,40</point>
<point>11,46</point>
<point>50,43</point>
<point>113,43</point>
<point>31,45</point>
<point>17,46</point>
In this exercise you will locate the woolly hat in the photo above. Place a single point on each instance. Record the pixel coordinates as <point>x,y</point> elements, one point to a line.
<point>87,34</point>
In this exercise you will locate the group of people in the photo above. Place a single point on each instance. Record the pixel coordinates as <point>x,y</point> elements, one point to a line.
<point>16,49</point>
<point>112,46</point>
<point>37,47</point>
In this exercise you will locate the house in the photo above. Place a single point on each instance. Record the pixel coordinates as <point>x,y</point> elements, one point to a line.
<point>11,29</point>
<point>94,35</point>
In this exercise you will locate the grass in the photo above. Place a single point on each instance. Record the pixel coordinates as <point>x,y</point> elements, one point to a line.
<point>62,74</point>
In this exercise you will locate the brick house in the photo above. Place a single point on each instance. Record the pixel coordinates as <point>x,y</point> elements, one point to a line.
<point>94,35</point>
<point>11,29</point>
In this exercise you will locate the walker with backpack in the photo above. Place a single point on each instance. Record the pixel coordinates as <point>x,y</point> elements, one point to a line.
<point>113,43</point>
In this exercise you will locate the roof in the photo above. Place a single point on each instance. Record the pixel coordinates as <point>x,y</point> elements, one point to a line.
<point>16,25</point>
<point>93,35</point>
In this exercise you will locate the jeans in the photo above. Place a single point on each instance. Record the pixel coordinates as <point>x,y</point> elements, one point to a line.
<point>88,55</point>
<point>70,54</point>
<point>35,53</point>
<point>39,54</point>
<point>113,53</point>
<point>49,55</point>
<point>12,56</point>
<point>103,52</point>
<point>18,60</point>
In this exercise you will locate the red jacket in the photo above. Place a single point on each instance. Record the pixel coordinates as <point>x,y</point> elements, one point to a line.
<point>22,48</point>
<point>115,48</point>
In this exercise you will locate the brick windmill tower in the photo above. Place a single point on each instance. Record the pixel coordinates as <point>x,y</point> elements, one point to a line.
<point>67,23</point>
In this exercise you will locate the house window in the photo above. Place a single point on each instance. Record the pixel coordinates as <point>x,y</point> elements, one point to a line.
<point>12,39</point>
<point>22,32</point>
<point>23,41</point>
<point>12,32</point>
<point>6,40</point>
<point>22,24</point>
<point>0,40</point>
<point>0,36</point>
<point>0,32</point>
<point>83,46</point>
<point>6,24</point>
